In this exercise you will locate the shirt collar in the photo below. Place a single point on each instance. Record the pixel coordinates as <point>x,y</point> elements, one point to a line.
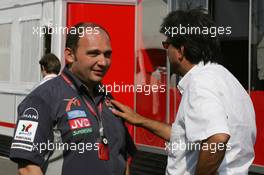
<point>81,87</point>
<point>49,76</point>
<point>183,83</point>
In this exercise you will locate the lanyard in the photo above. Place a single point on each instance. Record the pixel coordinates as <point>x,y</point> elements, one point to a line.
<point>98,115</point>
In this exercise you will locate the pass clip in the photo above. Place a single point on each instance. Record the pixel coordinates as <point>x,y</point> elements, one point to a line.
<point>103,150</point>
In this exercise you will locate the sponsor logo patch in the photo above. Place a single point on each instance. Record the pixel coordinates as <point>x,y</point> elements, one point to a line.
<point>82,131</point>
<point>76,114</point>
<point>79,123</point>
<point>23,146</point>
<point>26,130</point>
<point>30,113</point>
<point>72,102</point>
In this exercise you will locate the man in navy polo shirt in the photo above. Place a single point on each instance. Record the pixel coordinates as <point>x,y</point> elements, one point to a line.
<point>93,140</point>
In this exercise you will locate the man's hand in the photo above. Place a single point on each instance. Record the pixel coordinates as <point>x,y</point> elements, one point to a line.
<point>24,168</point>
<point>160,129</point>
<point>127,114</point>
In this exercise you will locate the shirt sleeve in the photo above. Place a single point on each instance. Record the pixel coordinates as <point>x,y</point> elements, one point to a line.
<point>32,133</point>
<point>205,114</point>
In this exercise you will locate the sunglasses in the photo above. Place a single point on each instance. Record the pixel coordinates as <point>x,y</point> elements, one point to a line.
<point>166,44</point>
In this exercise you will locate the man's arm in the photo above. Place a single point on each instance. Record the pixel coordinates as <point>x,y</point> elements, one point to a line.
<point>210,159</point>
<point>127,168</point>
<point>160,129</point>
<point>25,168</point>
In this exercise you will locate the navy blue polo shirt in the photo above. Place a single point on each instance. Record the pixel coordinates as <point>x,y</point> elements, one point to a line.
<point>58,107</point>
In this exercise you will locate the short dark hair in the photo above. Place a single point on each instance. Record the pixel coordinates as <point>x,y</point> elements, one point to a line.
<point>50,63</point>
<point>72,38</point>
<point>197,47</point>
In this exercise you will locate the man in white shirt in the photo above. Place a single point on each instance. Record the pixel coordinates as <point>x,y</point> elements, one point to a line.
<point>214,131</point>
<point>50,67</point>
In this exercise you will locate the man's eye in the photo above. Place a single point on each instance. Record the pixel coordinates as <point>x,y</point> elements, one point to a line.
<point>108,54</point>
<point>93,54</point>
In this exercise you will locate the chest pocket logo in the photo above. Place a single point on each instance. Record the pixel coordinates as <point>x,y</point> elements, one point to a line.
<point>78,119</point>
<point>72,102</point>
<point>78,122</point>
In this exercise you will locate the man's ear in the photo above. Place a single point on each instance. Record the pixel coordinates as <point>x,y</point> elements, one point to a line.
<point>181,50</point>
<point>69,56</point>
<point>42,68</point>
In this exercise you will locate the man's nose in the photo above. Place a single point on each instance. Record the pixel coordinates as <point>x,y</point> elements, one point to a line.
<point>102,60</point>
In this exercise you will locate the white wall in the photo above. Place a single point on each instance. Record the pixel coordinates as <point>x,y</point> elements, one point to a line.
<point>13,91</point>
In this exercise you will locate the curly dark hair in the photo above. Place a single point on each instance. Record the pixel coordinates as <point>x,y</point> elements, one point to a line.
<point>197,47</point>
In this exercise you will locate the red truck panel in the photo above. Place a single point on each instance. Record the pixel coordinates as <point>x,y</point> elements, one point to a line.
<point>258,101</point>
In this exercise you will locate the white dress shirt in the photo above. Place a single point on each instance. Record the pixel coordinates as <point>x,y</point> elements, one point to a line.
<point>47,78</point>
<point>213,101</point>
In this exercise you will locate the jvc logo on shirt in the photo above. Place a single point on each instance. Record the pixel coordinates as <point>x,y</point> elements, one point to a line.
<point>76,114</point>
<point>26,130</point>
<point>79,123</point>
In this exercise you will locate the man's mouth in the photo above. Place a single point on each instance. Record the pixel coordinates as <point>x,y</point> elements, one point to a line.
<point>99,72</point>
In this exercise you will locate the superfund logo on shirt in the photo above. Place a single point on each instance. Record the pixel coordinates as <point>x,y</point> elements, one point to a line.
<point>26,130</point>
